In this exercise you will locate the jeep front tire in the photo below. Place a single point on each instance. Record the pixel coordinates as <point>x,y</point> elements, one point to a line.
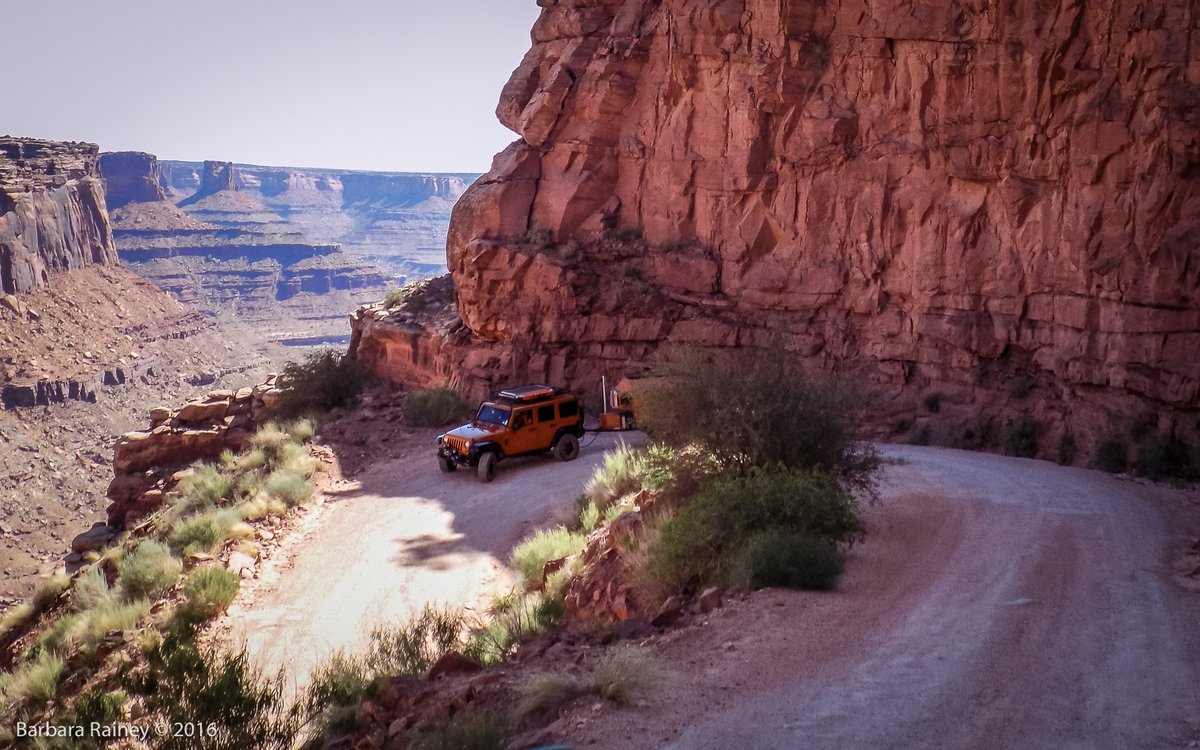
<point>446,464</point>
<point>567,447</point>
<point>487,467</point>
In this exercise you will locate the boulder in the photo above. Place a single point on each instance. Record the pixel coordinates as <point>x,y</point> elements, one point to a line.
<point>95,538</point>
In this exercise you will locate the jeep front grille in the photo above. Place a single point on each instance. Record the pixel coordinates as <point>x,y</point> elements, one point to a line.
<point>457,443</point>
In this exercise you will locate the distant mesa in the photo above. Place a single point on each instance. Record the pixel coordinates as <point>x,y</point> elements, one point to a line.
<point>53,214</point>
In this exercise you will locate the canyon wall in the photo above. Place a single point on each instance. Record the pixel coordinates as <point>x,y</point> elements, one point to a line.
<point>52,212</point>
<point>987,212</point>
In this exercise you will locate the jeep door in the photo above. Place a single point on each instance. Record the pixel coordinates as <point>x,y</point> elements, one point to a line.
<point>523,432</point>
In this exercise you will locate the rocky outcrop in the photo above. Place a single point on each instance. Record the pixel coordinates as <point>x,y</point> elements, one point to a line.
<point>995,204</point>
<point>52,212</point>
<point>148,463</point>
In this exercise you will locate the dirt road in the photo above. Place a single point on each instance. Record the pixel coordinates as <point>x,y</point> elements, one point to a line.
<point>999,603</point>
<point>406,536</point>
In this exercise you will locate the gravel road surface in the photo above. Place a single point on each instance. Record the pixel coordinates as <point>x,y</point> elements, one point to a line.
<point>999,603</point>
<point>407,536</point>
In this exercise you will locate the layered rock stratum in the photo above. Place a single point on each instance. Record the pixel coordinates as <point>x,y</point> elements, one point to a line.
<point>52,212</point>
<point>987,212</point>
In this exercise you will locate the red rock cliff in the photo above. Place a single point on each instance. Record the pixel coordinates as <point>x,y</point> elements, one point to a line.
<point>52,212</point>
<point>998,202</point>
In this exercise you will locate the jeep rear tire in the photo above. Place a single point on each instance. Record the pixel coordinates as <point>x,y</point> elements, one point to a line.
<point>567,447</point>
<point>445,464</point>
<point>487,467</point>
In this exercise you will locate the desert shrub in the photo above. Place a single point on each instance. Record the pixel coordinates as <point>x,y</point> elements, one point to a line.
<point>91,590</point>
<point>435,407</point>
<point>757,409</point>
<point>321,382</point>
<point>466,731</point>
<point>344,680</point>
<point>781,558</point>
<point>301,430</point>
<point>1067,449</point>
<point>98,705</point>
<point>50,590</point>
<point>205,487</point>
<point>288,486</point>
<point>1112,455</point>
<point>85,630</point>
<point>202,533</point>
<point>209,591</point>
<point>698,542</point>
<point>249,461</point>
<point>620,675</point>
<point>297,459</point>
<point>619,474</point>
<point>422,294</point>
<point>34,682</point>
<point>531,555</point>
<point>1021,437</point>
<point>186,682</point>
<point>625,673</point>
<point>270,439</point>
<point>933,402</point>
<point>676,475</point>
<point>16,618</point>
<point>589,518</point>
<point>514,620</point>
<point>261,506</point>
<point>146,570</point>
<point>544,692</point>
<point>1165,457</point>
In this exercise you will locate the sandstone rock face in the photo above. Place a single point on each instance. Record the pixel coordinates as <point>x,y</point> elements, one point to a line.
<point>935,197</point>
<point>52,212</point>
<point>148,463</point>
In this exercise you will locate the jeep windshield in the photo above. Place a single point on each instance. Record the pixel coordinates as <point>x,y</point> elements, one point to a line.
<point>496,415</point>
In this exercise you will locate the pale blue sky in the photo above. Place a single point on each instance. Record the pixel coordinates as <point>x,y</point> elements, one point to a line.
<point>406,85</point>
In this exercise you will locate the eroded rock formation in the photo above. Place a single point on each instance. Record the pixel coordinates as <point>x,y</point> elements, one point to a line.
<point>52,212</point>
<point>996,204</point>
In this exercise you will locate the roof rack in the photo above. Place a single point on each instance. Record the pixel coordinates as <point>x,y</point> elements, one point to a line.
<point>528,393</point>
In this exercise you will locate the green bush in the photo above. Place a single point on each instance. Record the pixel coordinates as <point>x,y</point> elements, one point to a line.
<point>33,683</point>
<point>202,533</point>
<point>91,590</point>
<point>336,687</point>
<point>757,408</point>
<point>321,382</point>
<point>209,591</point>
<point>188,683</point>
<point>531,555</point>
<point>618,475</point>
<point>466,731</point>
<point>290,487</point>
<point>781,558</point>
<point>251,460</point>
<point>1021,439</point>
<point>435,407</point>
<point>514,620</point>
<point>49,591</point>
<point>297,459</point>
<point>205,488</point>
<point>85,630</point>
<point>700,540</point>
<point>1112,455</point>
<point>146,570</point>
<point>1166,457</point>
<point>16,618</point>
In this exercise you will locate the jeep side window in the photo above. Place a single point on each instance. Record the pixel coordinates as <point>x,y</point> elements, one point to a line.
<point>546,413</point>
<point>523,419</point>
<point>568,409</point>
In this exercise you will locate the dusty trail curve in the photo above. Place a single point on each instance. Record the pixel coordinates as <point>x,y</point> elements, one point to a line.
<point>409,536</point>
<point>1000,603</point>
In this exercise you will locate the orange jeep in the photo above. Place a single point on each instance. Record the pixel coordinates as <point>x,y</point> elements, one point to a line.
<point>517,422</point>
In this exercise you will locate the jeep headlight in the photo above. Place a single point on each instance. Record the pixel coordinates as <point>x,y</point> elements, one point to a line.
<point>469,444</point>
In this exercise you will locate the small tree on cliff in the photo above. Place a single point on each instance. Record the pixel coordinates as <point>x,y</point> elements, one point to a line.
<point>323,381</point>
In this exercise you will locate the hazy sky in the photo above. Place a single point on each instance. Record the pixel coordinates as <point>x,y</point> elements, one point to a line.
<point>395,85</point>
